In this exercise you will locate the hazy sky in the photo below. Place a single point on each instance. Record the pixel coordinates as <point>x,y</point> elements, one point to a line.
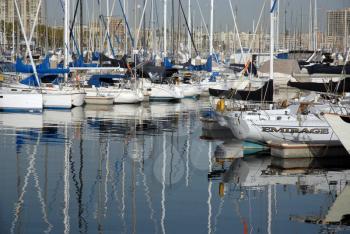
<point>248,11</point>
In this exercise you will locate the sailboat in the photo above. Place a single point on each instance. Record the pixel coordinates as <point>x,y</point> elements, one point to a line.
<point>20,98</point>
<point>300,123</point>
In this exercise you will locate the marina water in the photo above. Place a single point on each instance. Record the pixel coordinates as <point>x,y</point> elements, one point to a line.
<point>149,169</point>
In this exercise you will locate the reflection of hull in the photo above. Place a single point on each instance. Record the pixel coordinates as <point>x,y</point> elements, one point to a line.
<point>117,112</point>
<point>21,120</point>
<point>251,172</point>
<point>229,150</point>
<point>63,116</point>
<point>213,130</point>
<point>159,109</point>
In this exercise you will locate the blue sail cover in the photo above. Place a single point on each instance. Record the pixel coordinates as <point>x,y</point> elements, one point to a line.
<point>206,67</point>
<point>95,56</point>
<point>42,68</point>
<point>80,63</point>
<point>44,78</point>
<point>98,79</point>
<point>167,63</point>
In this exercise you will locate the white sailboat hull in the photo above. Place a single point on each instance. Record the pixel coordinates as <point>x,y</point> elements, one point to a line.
<point>191,90</point>
<point>56,99</point>
<point>78,98</point>
<point>307,129</point>
<point>19,101</point>
<point>166,92</point>
<point>121,96</point>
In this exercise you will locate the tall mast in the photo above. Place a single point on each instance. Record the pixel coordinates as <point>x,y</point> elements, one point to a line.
<point>277,26</point>
<point>315,26</point>
<point>125,28</point>
<point>4,27</point>
<point>66,36</point>
<point>211,27</point>
<point>189,45</point>
<point>153,29</point>
<point>165,28</point>
<point>272,41</point>
<point>310,25</point>
<point>13,32</point>
<point>108,18</point>
<point>81,28</point>
<point>345,30</point>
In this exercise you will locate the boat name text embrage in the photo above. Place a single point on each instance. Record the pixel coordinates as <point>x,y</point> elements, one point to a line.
<point>296,130</point>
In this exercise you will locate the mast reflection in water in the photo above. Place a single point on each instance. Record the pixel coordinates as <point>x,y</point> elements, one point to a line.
<point>147,169</point>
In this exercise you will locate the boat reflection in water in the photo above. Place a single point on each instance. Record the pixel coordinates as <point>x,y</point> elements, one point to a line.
<point>144,168</point>
<point>278,186</point>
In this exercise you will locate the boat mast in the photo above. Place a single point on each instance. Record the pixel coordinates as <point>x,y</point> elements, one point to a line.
<point>108,31</point>
<point>315,26</point>
<point>13,33</point>
<point>277,26</point>
<point>272,30</point>
<point>189,45</point>
<point>310,25</point>
<point>125,29</point>
<point>66,37</point>
<point>81,29</point>
<point>211,27</point>
<point>4,28</point>
<point>165,29</point>
<point>345,30</point>
<point>153,30</point>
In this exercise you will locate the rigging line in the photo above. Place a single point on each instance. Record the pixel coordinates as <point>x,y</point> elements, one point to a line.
<point>126,22</point>
<point>256,28</point>
<point>140,24</point>
<point>72,26</point>
<point>188,28</point>
<point>201,13</point>
<point>108,36</point>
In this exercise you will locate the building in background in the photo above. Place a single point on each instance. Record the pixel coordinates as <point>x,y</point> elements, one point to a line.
<point>28,10</point>
<point>338,28</point>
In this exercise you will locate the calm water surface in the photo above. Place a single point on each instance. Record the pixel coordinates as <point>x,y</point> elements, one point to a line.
<point>149,169</point>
